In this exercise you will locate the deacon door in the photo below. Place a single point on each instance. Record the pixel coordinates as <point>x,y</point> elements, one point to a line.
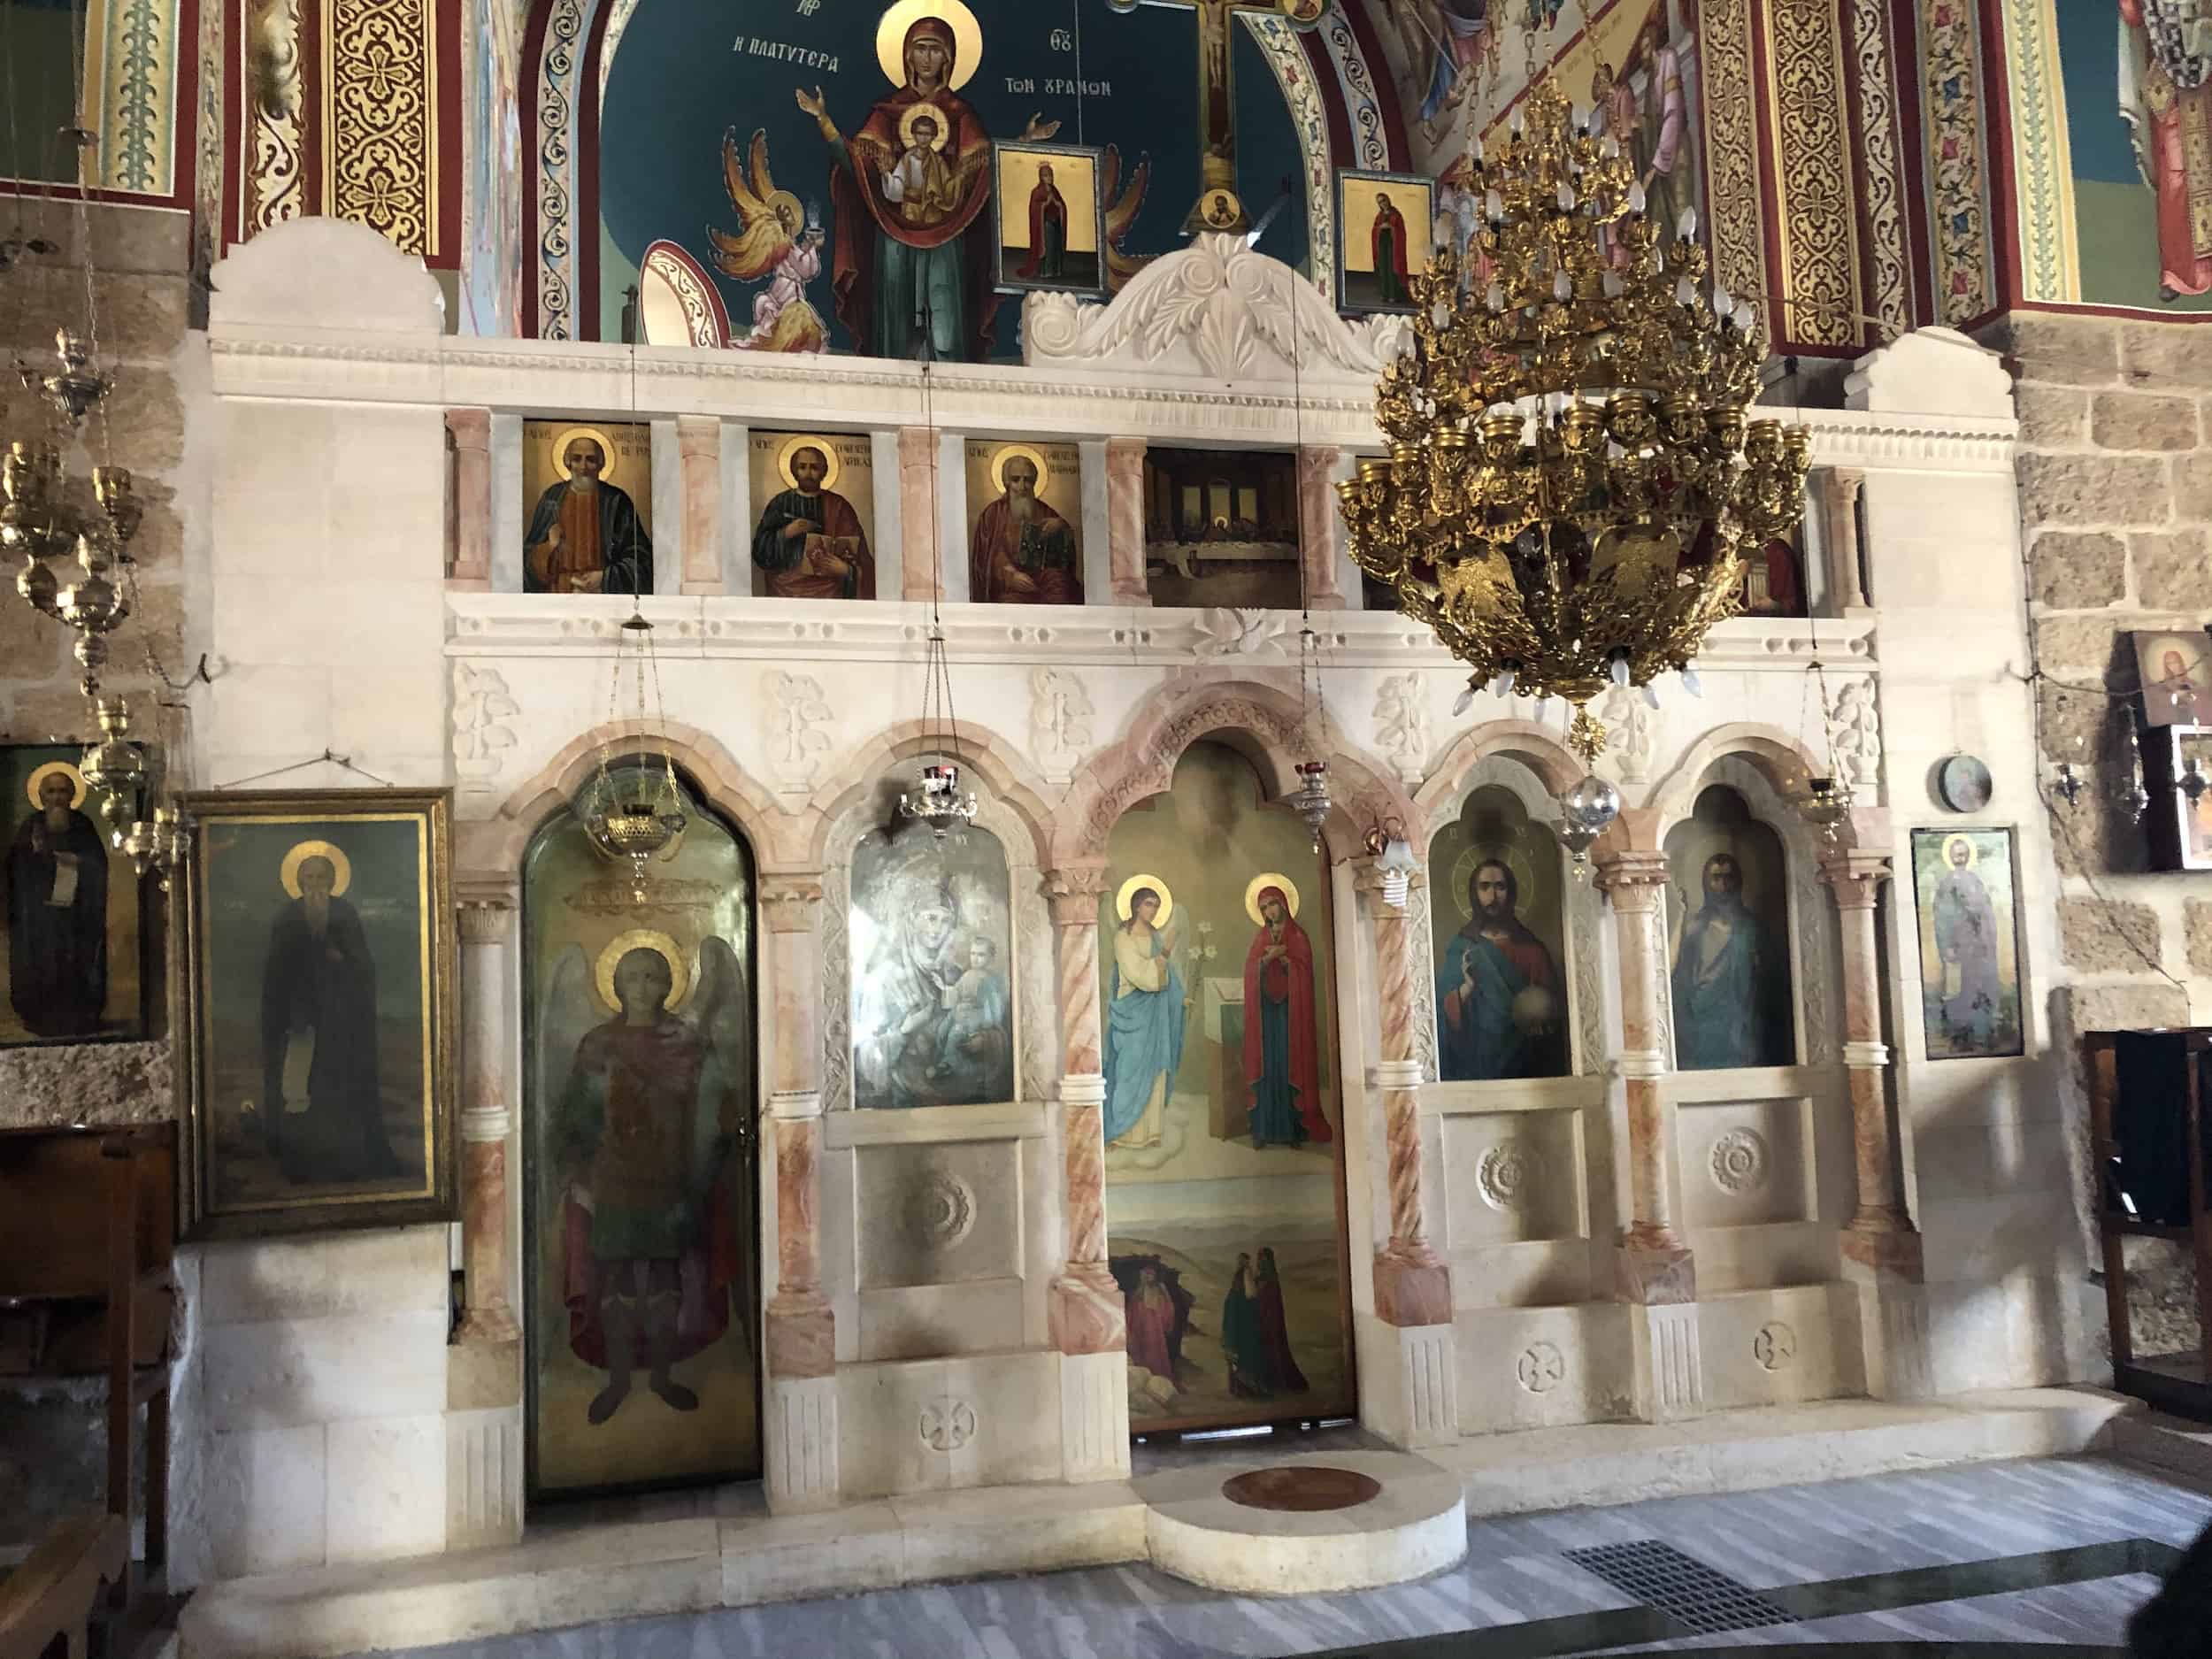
<point>1224,1172</point>
<point>641,1261</point>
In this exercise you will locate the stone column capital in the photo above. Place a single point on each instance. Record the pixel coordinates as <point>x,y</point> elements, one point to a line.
<point>1368,873</point>
<point>1633,879</point>
<point>1839,483</point>
<point>791,902</point>
<point>1855,875</point>
<point>699,435</point>
<point>1072,893</point>
<point>1125,453</point>
<point>484,919</point>
<point>470,428</point>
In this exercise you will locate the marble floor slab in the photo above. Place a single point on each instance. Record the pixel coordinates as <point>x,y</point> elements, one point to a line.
<point>2053,1552</point>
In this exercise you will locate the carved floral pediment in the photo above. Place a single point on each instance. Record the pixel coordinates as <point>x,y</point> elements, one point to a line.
<point>1218,309</point>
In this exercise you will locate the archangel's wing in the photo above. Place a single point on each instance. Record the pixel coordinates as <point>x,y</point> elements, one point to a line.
<point>1122,202</point>
<point>566,1013</point>
<point>763,237</point>
<point>722,1012</point>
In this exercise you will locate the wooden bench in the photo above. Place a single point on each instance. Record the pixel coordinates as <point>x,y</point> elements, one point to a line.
<point>48,1604</point>
<point>87,1232</point>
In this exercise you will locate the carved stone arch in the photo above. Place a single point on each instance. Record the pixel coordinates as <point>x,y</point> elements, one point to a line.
<point>1005,807</point>
<point>997,768</point>
<point>1512,765</point>
<point>1816,940</point>
<point>1541,752</point>
<point>493,848</point>
<point>1782,762</point>
<point>1260,722</point>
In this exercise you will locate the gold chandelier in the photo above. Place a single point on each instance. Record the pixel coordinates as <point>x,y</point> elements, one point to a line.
<point>1573,481</point>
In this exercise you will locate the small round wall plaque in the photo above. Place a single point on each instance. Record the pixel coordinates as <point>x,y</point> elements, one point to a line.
<point>1963,784</point>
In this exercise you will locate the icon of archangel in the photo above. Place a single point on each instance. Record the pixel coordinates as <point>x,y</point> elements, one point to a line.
<point>775,242</point>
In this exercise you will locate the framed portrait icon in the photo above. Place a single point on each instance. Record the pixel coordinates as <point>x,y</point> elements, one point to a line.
<point>314,1019</point>
<point>1051,217</point>
<point>1386,225</point>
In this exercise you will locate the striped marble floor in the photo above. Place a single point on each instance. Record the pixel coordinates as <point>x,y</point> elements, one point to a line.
<point>1986,1553</point>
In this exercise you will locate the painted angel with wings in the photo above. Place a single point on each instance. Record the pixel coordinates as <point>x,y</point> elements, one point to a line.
<point>1122,202</point>
<point>650,1114</point>
<point>775,241</point>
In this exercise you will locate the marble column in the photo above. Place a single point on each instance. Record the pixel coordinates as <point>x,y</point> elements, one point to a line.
<point>1316,524</point>
<point>1656,1273</point>
<point>1084,1312</point>
<point>483,1417</point>
<point>699,446</point>
<point>468,556</point>
<point>1413,1400</point>
<point>1839,491</point>
<point>918,577</point>
<point>1881,1247</point>
<point>1124,520</point>
<point>800,1396</point>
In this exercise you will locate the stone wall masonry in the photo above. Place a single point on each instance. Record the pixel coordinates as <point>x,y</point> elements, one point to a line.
<point>2115,504</point>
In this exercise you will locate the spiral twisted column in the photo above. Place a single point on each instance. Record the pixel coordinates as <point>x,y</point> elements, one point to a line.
<point>1656,1266</point>
<point>1412,1285</point>
<point>1086,1310</point>
<point>1882,1250</point>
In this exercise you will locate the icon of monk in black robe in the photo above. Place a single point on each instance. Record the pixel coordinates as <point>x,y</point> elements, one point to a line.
<point>57,914</point>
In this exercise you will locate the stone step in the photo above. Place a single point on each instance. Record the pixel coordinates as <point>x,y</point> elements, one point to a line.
<point>2170,1445</point>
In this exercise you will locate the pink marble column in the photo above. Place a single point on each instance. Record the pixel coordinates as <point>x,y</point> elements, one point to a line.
<point>1086,1310</point>
<point>699,446</point>
<point>1124,520</point>
<point>1881,1233</point>
<point>1316,524</point>
<point>486,1118</point>
<point>802,1329</point>
<point>1412,1284</point>
<point>469,554</point>
<point>1840,492</point>
<point>1655,1267</point>
<point>917,513</point>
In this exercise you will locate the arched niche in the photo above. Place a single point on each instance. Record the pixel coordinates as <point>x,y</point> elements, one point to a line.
<point>1514,992</point>
<point>1737,814</point>
<point>996,892</point>
<point>640,1177</point>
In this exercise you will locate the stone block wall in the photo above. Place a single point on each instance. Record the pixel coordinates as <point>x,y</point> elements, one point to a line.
<point>2116,508</point>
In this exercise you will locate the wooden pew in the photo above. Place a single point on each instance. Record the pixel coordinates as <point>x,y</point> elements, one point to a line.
<point>48,1604</point>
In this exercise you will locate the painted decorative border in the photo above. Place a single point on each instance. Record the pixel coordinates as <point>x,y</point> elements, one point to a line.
<point>557,67</point>
<point>2042,154</point>
<point>381,119</point>
<point>1293,74</point>
<point>1813,155</point>
<point>1890,304</point>
<point>274,79</point>
<point>1950,52</point>
<point>1737,221</point>
<point>1371,139</point>
<point>138,88</point>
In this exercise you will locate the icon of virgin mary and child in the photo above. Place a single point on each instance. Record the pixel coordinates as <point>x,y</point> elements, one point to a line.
<point>911,265</point>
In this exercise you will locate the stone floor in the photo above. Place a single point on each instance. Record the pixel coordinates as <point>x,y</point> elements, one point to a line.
<point>2051,1552</point>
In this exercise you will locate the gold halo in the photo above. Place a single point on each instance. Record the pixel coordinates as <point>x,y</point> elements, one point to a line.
<point>38,777</point>
<point>967,38</point>
<point>679,975</point>
<point>1973,853</point>
<point>1128,887</point>
<point>1464,866</point>
<point>1029,453</point>
<point>1205,209</point>
<point>799,440</point>
<point>606,447</point>
<point>1267,879</point>
<point>782,199</point>
<point>914,112</point>
<point>289,872</point>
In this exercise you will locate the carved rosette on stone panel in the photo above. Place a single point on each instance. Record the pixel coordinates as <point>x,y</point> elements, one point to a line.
<point>796,712</point>
<point>1225,633</point>
<point>1739,1161</point>
<point>941,1211</point>
<point>1774,1346</point>
<point>1059,721</point>
<point>1541,1368</point>
<point>948,1422</point>
<point>1401,725</point>
<point>482,706</point>
<point>1507,1174</point>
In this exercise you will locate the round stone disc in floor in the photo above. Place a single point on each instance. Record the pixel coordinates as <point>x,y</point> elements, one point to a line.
<point>1302,1487</point>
